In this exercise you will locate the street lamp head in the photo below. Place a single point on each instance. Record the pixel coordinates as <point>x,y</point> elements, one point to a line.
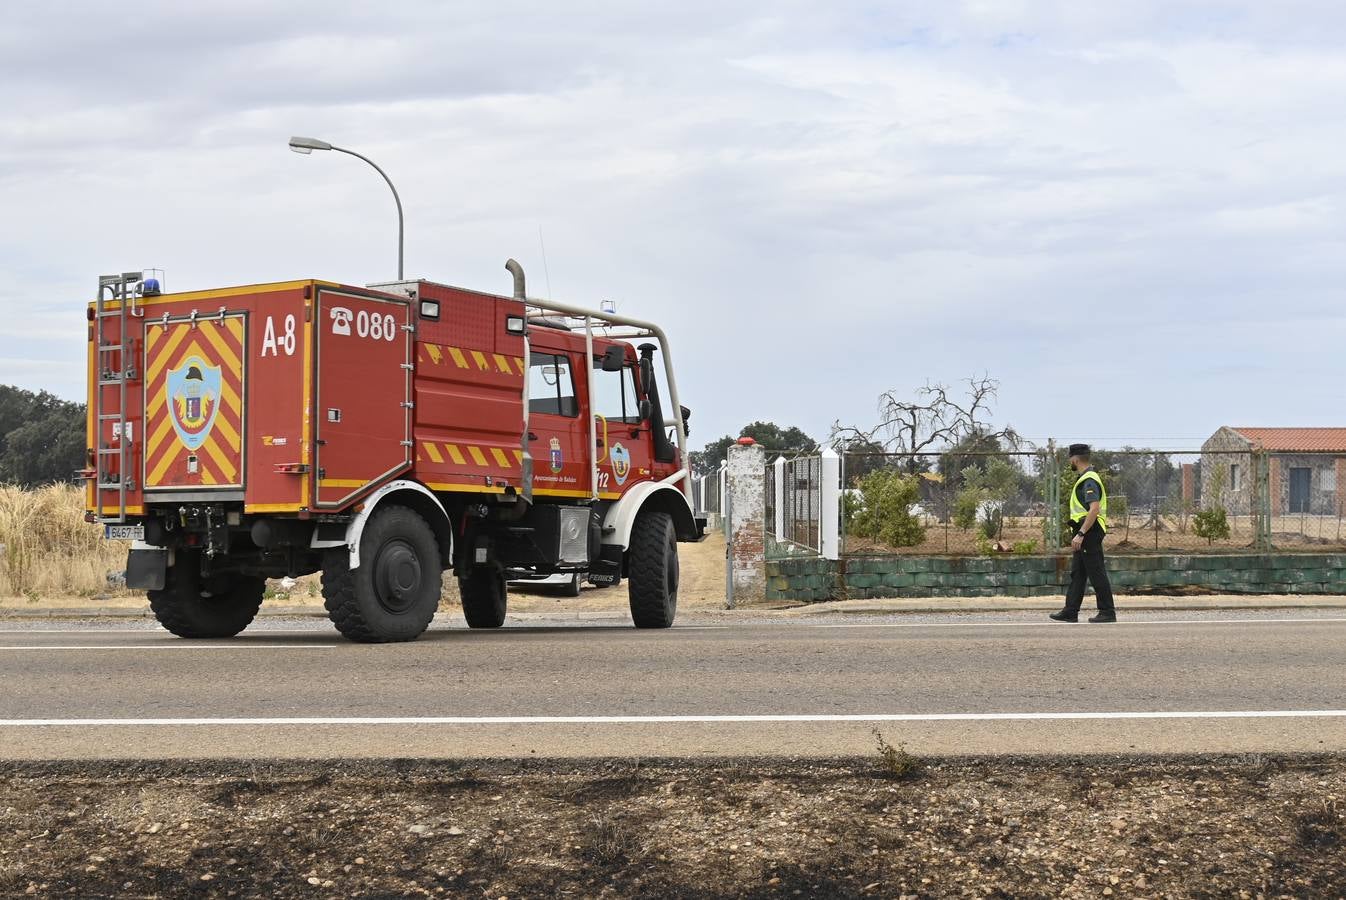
<point>307,145</point>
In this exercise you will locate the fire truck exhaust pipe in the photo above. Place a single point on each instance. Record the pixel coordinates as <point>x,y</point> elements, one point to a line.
<point>517,271</point>
<point>526,464</point>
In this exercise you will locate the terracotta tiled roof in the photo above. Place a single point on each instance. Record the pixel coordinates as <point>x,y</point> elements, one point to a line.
<point>1296,439</point>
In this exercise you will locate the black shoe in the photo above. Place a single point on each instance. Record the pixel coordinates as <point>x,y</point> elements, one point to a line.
<point>1103,618</point>
<point>1065,615</point>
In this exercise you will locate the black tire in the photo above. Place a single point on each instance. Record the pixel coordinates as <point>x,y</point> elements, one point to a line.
<point>395,592</point>
<point>572,587</point>
<point>484,594</point>
<point>652,561</point>
<point>218,607</point>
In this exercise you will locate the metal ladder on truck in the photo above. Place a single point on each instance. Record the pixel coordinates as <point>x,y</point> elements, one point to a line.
<point>114,361</point>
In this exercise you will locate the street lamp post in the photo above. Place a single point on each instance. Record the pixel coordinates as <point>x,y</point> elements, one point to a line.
<point>307,145</point>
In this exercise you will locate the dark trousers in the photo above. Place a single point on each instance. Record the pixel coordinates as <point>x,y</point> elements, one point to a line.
<point>1088,565</point>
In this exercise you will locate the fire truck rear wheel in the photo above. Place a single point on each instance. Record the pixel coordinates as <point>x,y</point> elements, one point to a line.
<point>484,596</point>
<point>652,560</point>
<point>395,592</point>
<point>219,607</point>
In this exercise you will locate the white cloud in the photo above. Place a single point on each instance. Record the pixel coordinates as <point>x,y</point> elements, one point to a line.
<point>821,201</point>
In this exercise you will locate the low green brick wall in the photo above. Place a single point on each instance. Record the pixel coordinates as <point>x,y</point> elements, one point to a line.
<point>1035,576</point>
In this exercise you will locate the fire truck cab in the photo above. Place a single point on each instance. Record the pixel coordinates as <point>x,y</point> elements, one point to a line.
<point>381,435</point>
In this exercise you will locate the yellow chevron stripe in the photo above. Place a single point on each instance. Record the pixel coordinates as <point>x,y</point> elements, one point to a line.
<point>518,456</point>
<point>518,361</point>
<point>480,359</point>
<point>206,476</point>
<point>235,326</point>
<point>502,363</point>
<point>434,452</point>
<point>458,359</point>
<point>225,464</point>
<point>455,454</point>
<point>477,456</point>
<point>226,428</point>
<point>165,428</point>
<point>500,458</point>
<point>228,357</point>
<point>435,355</point>
<point>161,355</point>
<point>157,476</point>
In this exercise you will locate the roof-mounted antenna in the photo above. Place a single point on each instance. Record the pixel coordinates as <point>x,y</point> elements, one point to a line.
<point>546,273</point>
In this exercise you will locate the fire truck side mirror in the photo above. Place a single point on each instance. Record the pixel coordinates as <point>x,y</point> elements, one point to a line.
<point>646,408</point>
<point>614,358</point>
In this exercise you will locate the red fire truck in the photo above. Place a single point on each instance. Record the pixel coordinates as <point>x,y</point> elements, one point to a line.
<point>380,435</point>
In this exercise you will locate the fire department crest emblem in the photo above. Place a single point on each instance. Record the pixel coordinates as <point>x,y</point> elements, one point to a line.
<point>194,400</point>
<point>621,463</point>
<point>556,458</point>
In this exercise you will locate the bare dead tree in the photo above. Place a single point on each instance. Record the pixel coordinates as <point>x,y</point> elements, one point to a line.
<point>937,419</point>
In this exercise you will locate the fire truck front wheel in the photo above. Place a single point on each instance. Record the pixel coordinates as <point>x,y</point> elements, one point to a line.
<point>484,597</point>
<point>652,560</point>
<point>217,607</point>
<point>395,592</point>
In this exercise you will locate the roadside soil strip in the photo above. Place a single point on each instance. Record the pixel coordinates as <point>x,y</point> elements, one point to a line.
<point>859,828</point>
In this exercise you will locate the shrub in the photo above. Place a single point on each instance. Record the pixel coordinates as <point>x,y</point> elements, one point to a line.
<point>1211,524</point>
<point>884,510</point>
<point>895,762</point>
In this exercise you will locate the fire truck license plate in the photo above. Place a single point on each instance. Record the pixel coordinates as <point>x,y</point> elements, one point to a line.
<point>124,532</point>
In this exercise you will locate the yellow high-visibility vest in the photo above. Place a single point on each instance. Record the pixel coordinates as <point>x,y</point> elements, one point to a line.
<point>1078,510</point>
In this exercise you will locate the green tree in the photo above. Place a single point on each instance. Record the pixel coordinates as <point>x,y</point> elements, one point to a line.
<point>775,440</point>
<point>1212,523</point>
<point>41,437</point>
<point>988,488</point>
<point>883,511</point>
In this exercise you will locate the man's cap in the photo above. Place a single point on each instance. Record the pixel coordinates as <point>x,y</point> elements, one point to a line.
<point>1079,449</point>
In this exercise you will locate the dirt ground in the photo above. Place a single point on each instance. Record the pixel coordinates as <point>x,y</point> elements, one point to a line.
<point>1235,827</point>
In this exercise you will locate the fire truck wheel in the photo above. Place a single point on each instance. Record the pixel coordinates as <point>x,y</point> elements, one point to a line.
<point>220,607</point>
<point>484,594</point>
<point>395,592</point>
<point>652,560</point>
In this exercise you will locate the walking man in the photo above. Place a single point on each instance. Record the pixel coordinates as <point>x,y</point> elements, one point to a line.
<point>1089,522</point>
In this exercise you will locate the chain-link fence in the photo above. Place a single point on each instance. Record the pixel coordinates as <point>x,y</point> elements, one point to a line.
<point>794,499</point>
<point>710,492</point>
<point>1158,501</point>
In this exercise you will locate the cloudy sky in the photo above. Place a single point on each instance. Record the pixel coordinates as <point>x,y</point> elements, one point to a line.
<point>1131,214</point>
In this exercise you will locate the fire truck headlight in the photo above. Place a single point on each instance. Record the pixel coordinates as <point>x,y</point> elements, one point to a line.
<point>429,309</point>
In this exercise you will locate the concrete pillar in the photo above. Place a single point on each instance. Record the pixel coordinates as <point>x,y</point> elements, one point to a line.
<point>1277,503</point>
<point>746,490</point>
<point>1189,484</point>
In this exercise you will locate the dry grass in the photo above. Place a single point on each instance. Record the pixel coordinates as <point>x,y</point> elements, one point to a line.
<point>48,548</point>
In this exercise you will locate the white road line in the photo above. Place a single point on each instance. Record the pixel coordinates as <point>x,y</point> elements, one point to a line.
<point>1122,623</point>
<point>167,645</point>
<point>679,720</point>
<point>154,629</point>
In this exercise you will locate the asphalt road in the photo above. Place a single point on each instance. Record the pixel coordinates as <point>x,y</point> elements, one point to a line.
<point>714,686</point>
